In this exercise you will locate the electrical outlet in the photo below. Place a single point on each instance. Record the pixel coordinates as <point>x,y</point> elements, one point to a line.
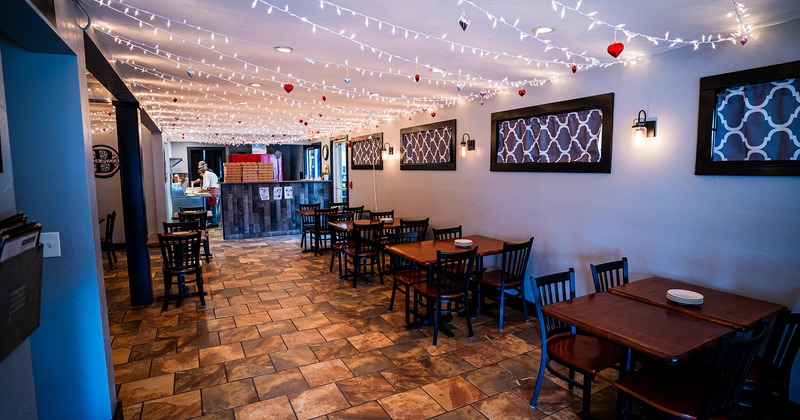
<point>52,244</point>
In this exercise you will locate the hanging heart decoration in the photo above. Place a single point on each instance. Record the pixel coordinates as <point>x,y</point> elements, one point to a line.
<point>483,93</point>
<point>190,72</point>
<point>459,87</point>
<point>574,68</point>
<point>174,99</point>
<point>424,108</point>
<point>347,80</point>
<point>743,40</point>
<point>615,49</point>
<point>288,87</point>
<point>463,22</point>
<point>324,98</point>
<point>301,121</point>
<point>521,92</point>
<point>320,114</point>
<point>305,123</point>
<point>433,114</point>
<point>416,77</point>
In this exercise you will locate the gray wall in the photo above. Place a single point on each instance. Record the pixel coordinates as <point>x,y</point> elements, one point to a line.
<point>735,233</point>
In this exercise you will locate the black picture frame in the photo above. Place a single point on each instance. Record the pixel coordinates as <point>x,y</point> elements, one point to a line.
<point>368,146</point>
<point>710,87</point>
<point>448,126</point>
<point>603,102</point>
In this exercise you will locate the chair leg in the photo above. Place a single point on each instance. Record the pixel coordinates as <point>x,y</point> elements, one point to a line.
<point>539,380</point>
<point>436,320</point>
<point>587,396</point>
<point>181,286</point>
<point>466,315</point>
<point>333,255</point>
<point>114,253</point>
<point>524,302</point>
<point>199,281</point>
<point>208,251</point>
<point>408,317</point>
<point>356,270</point>
<point>380,270</point>
<point>502,306</point>
<point>110,260</point>
<point>394,291</point>
<point>167,287</point>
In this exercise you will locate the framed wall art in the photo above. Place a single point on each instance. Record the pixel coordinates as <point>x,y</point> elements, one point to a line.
<point>567,136</point>
<point>749,122</point>
<point>429,147</point>
<point>365,153</point>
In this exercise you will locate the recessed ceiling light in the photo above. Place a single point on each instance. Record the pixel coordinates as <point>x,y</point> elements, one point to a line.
<point>255,84</point>
<point>543,30</point>
<point>283,49</point>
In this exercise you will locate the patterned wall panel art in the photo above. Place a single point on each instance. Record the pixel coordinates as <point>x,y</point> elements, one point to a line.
<point>429,146</point>
<point>366,152</point>
<point>750,122</point>
<point>569,136</point>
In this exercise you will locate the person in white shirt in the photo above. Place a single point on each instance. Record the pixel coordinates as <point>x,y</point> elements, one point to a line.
<point>211,184</point>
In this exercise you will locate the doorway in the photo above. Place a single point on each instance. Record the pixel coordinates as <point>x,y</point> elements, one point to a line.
<point>339,173</point>
<point>213,156</point>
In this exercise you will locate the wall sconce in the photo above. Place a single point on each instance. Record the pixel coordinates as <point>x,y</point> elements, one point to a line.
<point>642,129</point>
<point>467,143</point>
<point>387,151</point>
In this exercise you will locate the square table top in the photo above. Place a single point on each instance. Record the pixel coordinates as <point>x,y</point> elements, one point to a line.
<point>424,252</point>
<point>724,308</point>
<point>652,330</point>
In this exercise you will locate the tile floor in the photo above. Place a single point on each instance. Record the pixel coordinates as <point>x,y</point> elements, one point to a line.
<point>281,337</point>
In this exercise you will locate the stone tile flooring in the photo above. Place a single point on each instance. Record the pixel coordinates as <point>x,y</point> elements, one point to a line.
<point>281,337</point>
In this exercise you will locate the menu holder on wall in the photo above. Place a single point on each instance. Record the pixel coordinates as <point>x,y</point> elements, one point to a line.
<point>16,240</point>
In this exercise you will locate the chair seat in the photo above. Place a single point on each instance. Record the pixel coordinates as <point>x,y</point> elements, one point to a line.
<point>411,276</point>
<point>678,391</point>
<point>341,246</point>
<point>428,289</point>
<point>351,251</point>
<point>589,354</point>
<point>492,278</point>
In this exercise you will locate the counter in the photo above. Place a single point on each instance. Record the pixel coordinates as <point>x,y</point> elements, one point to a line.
<point>187,198</point>
<point>258,209</point>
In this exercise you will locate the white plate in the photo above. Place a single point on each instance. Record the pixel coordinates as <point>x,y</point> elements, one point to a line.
<point>684,297</point>
<point>387,220</point>
<point>463,243</point>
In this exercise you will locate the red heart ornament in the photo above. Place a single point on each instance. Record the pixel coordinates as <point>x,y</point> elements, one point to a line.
<point>301,120</point>
<point>174,99</point>
<point>521,92</point>
<point>324,98</point>
<point>743,40</point>
<point>305,123</point>
<point>574,68</point>
<point>433,114</point>
<point>288,87</point>
<point>615,49</point>
<point>416,77</point>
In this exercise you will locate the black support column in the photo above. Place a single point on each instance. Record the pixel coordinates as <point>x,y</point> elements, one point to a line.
<point>133,205</point>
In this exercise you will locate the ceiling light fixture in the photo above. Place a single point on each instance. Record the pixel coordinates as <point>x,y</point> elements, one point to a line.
<point>543,30</point>
<point>283,49</point>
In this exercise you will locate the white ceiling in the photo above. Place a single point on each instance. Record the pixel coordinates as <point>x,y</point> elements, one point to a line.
<point>380,46</point>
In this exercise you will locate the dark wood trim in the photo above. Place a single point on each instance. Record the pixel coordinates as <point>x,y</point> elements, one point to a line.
<point>604,102</point>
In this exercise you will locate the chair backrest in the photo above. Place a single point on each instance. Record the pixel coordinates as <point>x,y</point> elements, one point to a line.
<point>308,220</point>
<point>322,217</point>
<point>338,217</point>
<point>171,227</point>
<point>110,226</point>
<point>338,206</point>
<point>420,226</point>
<point>181,251</point>
<point>454,270</point>
<point>447,233</point>
<point>378,215</point>
<point>515,260</point>
<point>194,208</point>
<point>732,361</point>
<point>367,237</point>
<point>399,263</point>
<point>610,274</point>
<point>550,289</point>
<point>191,216</point>
<point>358,212</point>
<point>781,350</point>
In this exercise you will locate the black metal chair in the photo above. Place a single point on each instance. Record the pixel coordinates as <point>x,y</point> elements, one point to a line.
<point>770,374</point>
<point>447,233</point>
<point>378,215</point>
<point>405,273</point>
<point>610,274</point>
<point>307,222</point>
<point>107,241</point>
<point>420,226</point>
<point>337,205</point>
<point>693,391</point>
<point>450,284</point>
<point>201,218</point>
<point>181,258</point>
<point>340,239</point>
<point>510,276</point>
<point>358,212</point>
<point>582,353</point>
<point>321,231</point>
<point>365,252</point>
<point>193,208</point>
<point>172,227</point>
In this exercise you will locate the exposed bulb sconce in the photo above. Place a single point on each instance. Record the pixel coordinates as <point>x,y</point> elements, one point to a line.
<point>387,151</point>
<point>642,129</point>
<point>467,143</point>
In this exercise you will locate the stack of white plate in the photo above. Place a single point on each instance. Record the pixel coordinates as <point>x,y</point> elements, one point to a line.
<point>387,220</point>
<point>684,297</point>
<point>463,243</point>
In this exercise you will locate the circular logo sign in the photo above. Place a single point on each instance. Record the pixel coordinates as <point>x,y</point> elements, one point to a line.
<point>106,161</point>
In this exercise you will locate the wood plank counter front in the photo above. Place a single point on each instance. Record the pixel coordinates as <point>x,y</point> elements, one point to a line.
<point>246,215</point>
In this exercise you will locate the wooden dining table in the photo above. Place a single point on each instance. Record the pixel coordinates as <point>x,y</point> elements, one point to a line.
<point>724,308</point>
<point>347,225</point>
